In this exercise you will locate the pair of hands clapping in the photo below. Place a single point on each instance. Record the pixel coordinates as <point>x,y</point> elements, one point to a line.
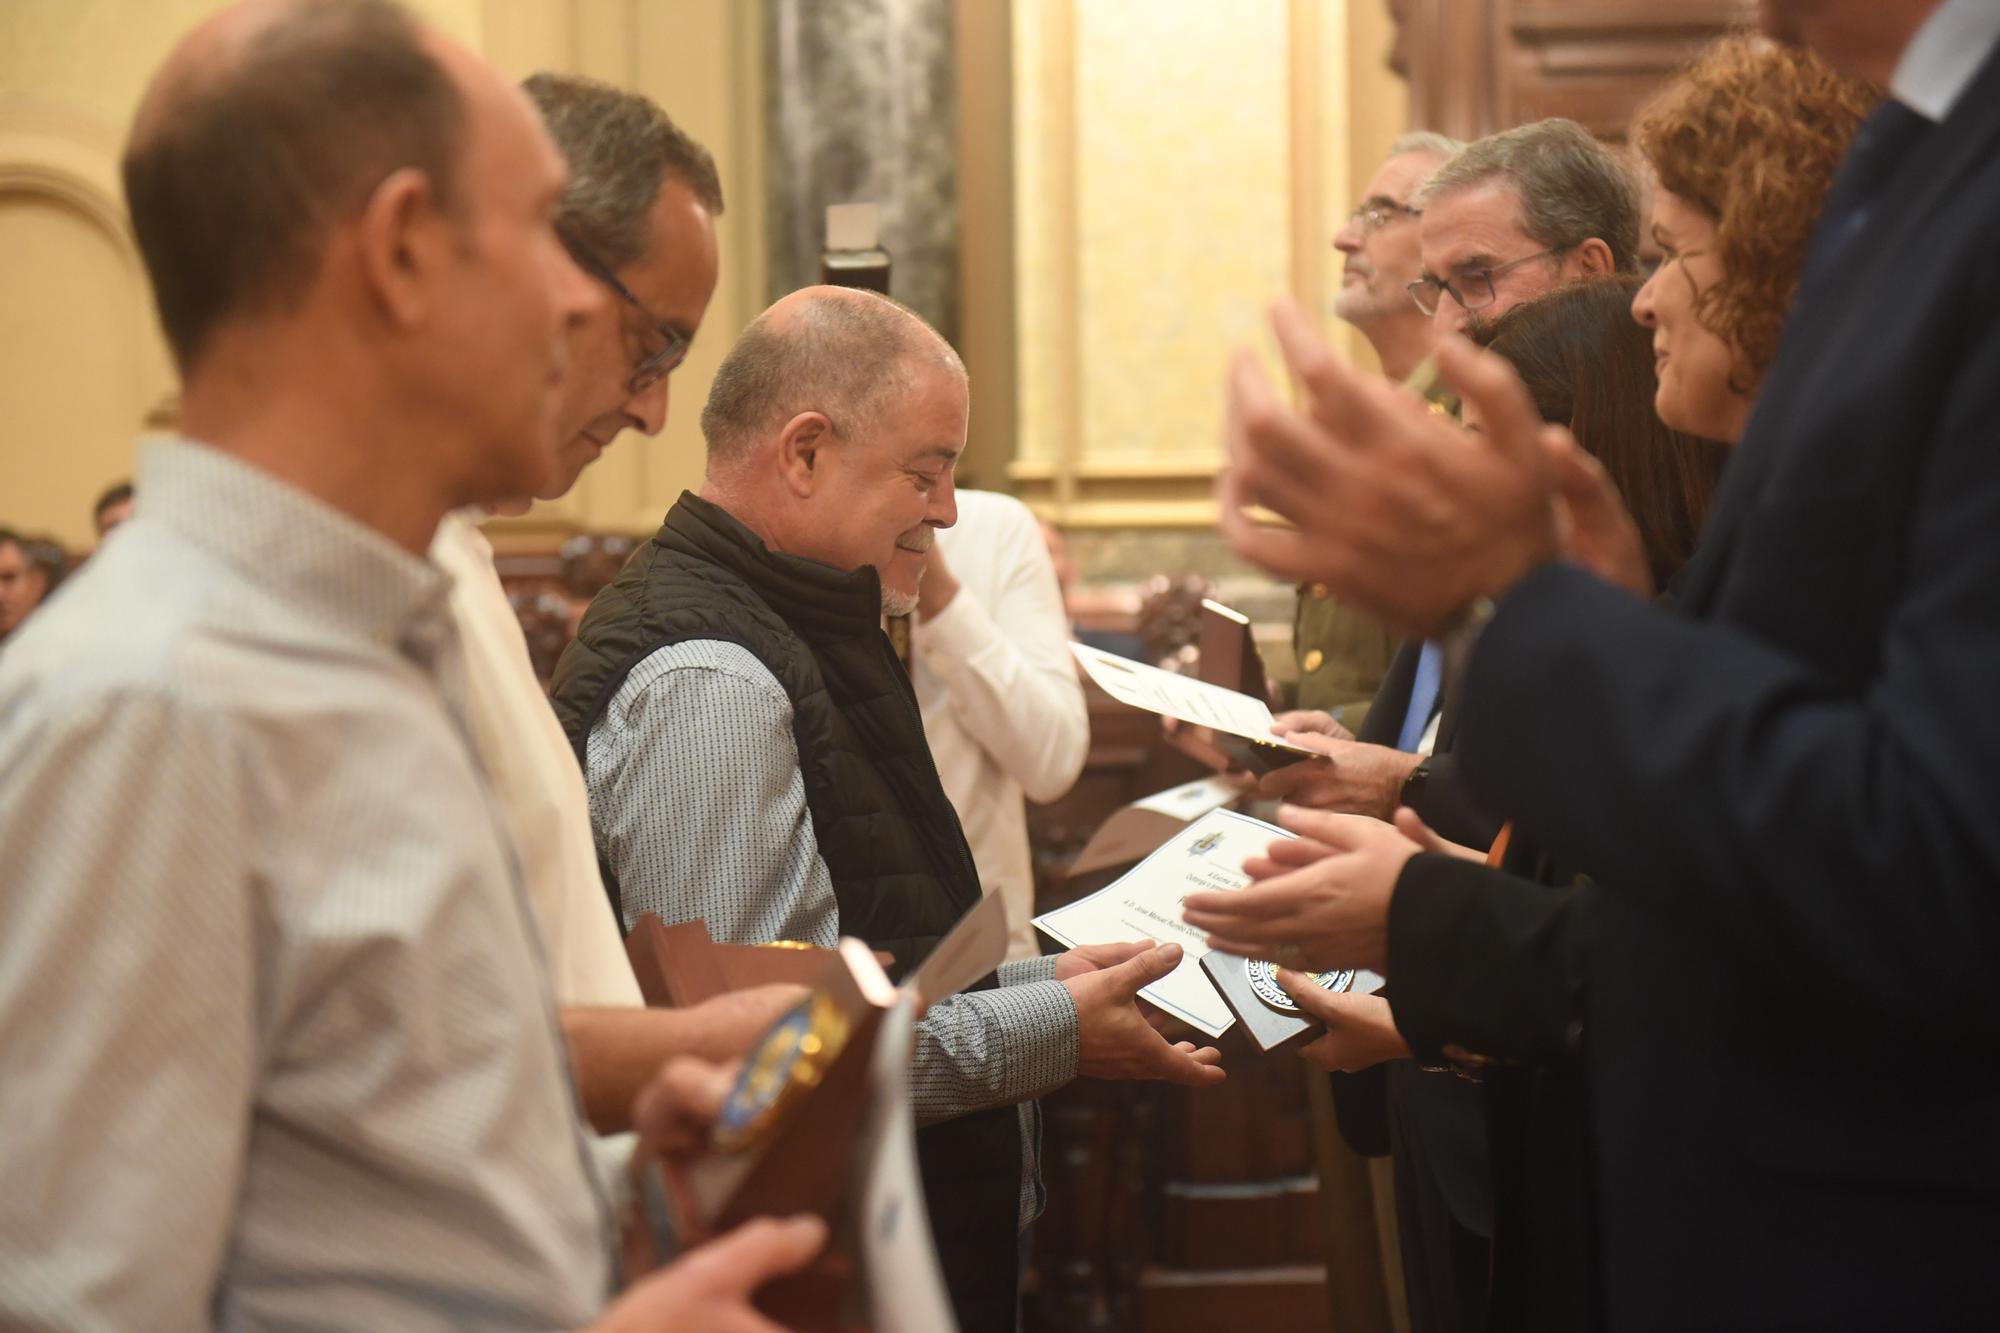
<point>1321,901</point>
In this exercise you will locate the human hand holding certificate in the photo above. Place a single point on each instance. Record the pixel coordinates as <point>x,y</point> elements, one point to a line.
<point>1146,903</point>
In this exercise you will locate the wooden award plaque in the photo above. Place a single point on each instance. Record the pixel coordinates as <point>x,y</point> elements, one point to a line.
<point>794,1150</point>
<point>678,966</point>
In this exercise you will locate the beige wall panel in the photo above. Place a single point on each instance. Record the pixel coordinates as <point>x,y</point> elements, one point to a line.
<point>1178,165</point>
<point>81,359</point>
<point>76,376</point>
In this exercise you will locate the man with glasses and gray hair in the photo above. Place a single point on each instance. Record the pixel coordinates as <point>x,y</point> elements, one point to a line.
<point>1518,214</point>
<point>1342,655</point>
<point>1503,221</point>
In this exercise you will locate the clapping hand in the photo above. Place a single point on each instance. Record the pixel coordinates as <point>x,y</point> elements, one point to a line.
<point>1318,901</point>
<point>1394,508</point>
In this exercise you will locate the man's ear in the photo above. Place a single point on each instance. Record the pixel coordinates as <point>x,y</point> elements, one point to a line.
<point>1594,259</point>
<point>801,441</point>
<point>402,240</point>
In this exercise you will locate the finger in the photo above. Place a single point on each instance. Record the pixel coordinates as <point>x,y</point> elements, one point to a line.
<point>1324,743</point>
<point>1141,971</point>
<point>1412,826</point>
<point>1110,955</point>
<point>673,1111</point>
<point>1513,427</point>
<point>1295,852</point>
<point>1239,948</point>
<point>1188,1068</point>
<point>1271,905</point>
<point>1311,358</point>
<point>1277,897</point>
<point>1341,832</point>
<point>1358,413</point>
<point>1310,997</point>
<point>763,1248</point>
<point>1275,445</point>
<point>1281,552</point>
<point>1280,783</point>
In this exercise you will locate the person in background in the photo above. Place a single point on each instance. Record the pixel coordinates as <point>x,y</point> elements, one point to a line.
<point>1782,779</point>
<point>305,1069</point>
<point>118,503</point>
<point>1341,654</point>
<point>637,214</point>
<point>23,582</point>
<point>998,689</point>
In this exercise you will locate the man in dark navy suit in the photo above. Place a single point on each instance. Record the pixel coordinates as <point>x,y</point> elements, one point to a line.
<point>1788,786</point>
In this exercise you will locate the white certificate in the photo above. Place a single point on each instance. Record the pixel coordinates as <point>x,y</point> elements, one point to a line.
<point>1176,696</point>
<point>1145,903</point>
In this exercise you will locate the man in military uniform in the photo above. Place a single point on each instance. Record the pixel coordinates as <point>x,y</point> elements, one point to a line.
<point>1343,655</point>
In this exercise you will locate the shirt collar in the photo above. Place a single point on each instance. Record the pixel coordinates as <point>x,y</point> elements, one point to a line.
<point>316,557</point>
<point>1939,63</point>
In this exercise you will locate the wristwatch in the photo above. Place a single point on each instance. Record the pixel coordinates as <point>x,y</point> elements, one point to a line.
<point>1413,785</point>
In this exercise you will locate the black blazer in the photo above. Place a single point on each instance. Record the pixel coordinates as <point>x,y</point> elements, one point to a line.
<point>1444,1111</point>
<point>1791,797</point>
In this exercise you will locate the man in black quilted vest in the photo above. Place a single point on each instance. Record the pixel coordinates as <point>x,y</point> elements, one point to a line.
<point>755,757</point>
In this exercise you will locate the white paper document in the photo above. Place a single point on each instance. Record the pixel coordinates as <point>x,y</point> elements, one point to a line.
<point>1181,697</point>
<point>1145,903</point>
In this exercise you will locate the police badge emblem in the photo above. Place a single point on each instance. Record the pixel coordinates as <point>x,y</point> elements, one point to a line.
<point>786,1063</point>
<point>1263,977</point>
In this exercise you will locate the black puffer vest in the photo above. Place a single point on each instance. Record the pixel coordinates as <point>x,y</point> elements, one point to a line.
<point>902,873</point>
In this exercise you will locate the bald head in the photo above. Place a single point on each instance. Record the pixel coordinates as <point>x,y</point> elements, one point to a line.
<point>852,356</point>
<point>269,123</point>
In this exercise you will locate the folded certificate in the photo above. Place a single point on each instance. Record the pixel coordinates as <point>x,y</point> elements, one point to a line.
<point>1242,724</point>
<point>1145,903</point>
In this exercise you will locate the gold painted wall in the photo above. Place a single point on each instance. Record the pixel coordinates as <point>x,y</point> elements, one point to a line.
<point>80,359</point>
<point>1178,164</point>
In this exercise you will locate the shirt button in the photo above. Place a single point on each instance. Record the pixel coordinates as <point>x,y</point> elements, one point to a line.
<point>1314,659</point>
<point>1319,590</point>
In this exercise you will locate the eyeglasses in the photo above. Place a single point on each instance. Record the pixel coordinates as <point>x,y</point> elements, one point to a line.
<point>1472,289</point>
<point>652,369</point>
<point>1374,214</point>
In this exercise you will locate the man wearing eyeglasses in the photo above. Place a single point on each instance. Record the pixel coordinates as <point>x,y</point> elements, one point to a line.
<point>1503,221</point>
<point>1342,655</point>
<point>638,216</point>
<point>1518,214</point>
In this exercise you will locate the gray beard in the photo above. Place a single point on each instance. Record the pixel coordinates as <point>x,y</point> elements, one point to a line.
<point>898,603</point>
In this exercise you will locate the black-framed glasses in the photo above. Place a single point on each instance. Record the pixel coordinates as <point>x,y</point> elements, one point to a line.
<point>651,369</point>
<point>1374,214</point>
<point>1472,289</point>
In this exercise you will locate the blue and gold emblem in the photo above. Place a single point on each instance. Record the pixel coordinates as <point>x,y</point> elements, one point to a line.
<point>787,1063</point>
<point>1263,976</point>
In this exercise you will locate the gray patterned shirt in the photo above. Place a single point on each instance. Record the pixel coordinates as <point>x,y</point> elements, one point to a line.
<point>276,1049</point>
<point>699,808</point>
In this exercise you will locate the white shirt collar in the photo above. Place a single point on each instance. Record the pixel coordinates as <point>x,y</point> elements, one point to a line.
<point>1938,65</point>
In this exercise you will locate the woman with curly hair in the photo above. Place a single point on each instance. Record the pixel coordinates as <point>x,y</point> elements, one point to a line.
<point>1489,963</point>
<point>1742,148</point>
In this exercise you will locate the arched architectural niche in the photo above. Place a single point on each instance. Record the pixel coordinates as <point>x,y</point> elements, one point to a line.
<point>80,361</point>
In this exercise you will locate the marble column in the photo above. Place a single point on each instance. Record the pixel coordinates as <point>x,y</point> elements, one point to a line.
<point>859,110</point>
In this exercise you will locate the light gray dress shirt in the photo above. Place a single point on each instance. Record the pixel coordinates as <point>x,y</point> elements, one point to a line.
<point>699,808</point>
<point>276,1050</point>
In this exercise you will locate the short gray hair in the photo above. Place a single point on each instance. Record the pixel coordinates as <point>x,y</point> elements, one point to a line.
<point>1571,186</point>
<point>1426,141</point>
<point>843,352</point>
<point>621,149</point>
